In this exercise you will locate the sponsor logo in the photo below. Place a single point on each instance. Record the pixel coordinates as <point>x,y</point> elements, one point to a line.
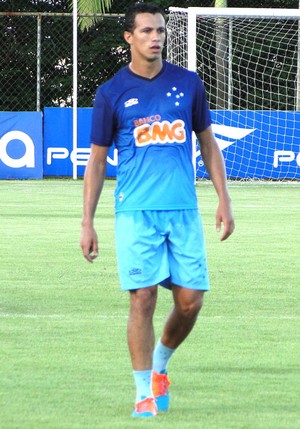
<point>26,160</point>
<point>232,133</point>
<point>135,271</point>
<point>285,156</point>
<point>80,156</point>
<point>131,102</point>
<point>147,120</point>
<point>160,132</point>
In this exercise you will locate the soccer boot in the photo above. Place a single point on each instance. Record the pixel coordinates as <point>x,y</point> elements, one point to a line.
<point>160,388</point>
<point>145,408</point>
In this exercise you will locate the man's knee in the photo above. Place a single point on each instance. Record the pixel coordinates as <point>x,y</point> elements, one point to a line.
<point>189,303</point>
<point>143,300</point>
<point>190,310</point>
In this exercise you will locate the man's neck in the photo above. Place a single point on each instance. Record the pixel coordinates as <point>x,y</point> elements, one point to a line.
<point>147,70</point>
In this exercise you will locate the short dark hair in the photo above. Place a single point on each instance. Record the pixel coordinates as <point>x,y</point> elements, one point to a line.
<point>135,9</point>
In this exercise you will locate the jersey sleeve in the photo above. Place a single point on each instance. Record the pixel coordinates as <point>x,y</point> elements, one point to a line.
<point>201,113</point>
<point>102,121</point>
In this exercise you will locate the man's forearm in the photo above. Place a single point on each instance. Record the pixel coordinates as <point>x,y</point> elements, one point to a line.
<point>214,163</point>
<point>93,183</point>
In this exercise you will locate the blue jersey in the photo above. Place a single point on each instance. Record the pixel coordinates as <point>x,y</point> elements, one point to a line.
<point>150,121</point>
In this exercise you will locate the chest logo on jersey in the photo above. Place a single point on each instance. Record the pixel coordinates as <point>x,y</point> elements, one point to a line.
<point>131,102</point>
<point>160,132</point>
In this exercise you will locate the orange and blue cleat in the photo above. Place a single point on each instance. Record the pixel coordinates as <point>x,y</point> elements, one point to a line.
<point>160,388</point>
<point>145,408</point>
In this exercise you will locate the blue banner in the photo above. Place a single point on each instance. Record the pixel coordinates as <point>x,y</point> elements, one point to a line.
<point>21,145</point>
<point>58,142</point>
<point>255,144</point>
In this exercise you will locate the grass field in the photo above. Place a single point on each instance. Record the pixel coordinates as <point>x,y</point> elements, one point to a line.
<point>63,355</point>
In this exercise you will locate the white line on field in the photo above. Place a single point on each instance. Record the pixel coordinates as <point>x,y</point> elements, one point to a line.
<point>59,316</point>
<point>116,316</point>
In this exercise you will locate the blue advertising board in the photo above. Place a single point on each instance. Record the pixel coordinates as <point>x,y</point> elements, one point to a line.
<point>58,142</point>
<point>21,145</point>
<point>255,144</point>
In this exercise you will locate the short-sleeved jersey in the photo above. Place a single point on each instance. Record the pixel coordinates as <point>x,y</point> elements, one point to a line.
<point>150,121</point>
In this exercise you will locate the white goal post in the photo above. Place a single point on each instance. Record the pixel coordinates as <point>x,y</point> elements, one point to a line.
<point>249,61</point>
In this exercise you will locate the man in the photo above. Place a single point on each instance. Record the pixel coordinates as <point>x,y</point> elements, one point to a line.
<point>149,110</point>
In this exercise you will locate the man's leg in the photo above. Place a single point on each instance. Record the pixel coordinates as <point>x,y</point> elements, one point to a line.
<point>140,335</point>
<point>187,304</point>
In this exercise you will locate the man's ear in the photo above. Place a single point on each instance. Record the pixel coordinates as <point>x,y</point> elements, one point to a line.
<point>127,36</point>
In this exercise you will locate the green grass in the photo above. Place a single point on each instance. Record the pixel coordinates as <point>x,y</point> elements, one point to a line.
<point>64,362</point>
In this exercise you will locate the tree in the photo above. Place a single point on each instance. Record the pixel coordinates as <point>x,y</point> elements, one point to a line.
<point>92,7</point>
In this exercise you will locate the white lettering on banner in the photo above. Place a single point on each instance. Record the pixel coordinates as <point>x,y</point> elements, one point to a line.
<point>56,153</point>
<point>285,156</point>
<point>27,160</point>
<point>113,161</point>
<point>80,156</point>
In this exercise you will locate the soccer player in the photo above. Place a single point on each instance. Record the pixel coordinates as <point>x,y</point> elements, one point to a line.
<point>149,110</point>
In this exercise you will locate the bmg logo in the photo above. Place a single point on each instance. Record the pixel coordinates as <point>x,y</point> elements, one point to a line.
<point>26,160</point>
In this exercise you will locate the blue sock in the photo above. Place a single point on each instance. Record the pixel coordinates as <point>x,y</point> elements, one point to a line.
<point>161,357</point>
<point>143,384</point>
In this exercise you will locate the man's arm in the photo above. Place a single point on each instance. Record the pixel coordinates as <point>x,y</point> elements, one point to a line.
<point>214,163</point>
<point>94,177</point>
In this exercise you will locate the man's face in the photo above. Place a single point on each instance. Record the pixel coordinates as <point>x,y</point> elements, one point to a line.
<point>148,37</point>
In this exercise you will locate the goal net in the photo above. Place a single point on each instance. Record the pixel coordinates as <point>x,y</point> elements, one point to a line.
<point>249,61</point>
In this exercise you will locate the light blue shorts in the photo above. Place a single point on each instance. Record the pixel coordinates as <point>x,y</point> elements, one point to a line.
<point>161,247</point>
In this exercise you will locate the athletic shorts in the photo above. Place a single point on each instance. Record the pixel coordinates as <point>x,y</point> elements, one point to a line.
<point>161,247</point>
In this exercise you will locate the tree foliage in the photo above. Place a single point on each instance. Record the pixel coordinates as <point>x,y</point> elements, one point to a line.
<point>101,50</point>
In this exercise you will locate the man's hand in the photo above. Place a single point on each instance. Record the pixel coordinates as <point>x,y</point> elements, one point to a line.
<point>89,243</point>
<point>224,217</point>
